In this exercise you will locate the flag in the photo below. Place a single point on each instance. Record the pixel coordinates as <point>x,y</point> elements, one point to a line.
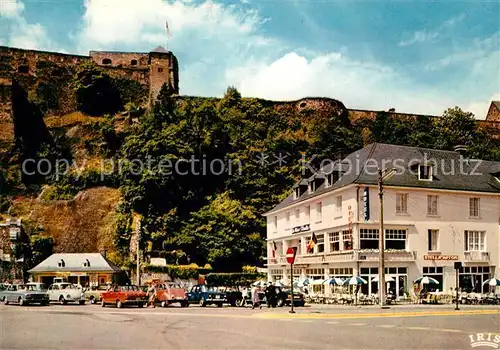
<point>167,29</point>
<point>312,243</point>
<point>275,248</point>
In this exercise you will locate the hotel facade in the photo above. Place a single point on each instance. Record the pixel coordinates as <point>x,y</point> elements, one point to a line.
<point>439,208</point>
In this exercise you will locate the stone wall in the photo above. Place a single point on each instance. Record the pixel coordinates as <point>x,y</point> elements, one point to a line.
<point>6,122</point>
<point>120,59</point>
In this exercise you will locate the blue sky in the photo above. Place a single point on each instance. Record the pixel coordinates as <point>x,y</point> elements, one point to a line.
<point>419,57</point>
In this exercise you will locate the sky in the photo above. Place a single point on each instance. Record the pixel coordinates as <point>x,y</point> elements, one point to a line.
<point>417,57</point>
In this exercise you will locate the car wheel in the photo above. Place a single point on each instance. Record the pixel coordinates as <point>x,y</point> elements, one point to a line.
<point>62,301</point>
<point>219,304</point>
<point>21,301</point>
<point>203,302</point>
<point>184,304</point>
<point>81,302</point>
<point>103,304</point>
<point>119,304</point>
<point>140,305</point>
<point>5,301</point>
<point>45,303</point>
<point>281,302</point>
<point>92,300</point>
<point>163,303</point>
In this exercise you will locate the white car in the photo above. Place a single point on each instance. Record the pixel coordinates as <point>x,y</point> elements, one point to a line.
<point>66,293</point>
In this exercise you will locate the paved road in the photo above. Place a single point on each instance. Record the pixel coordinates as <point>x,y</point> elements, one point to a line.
<point>93,327</point>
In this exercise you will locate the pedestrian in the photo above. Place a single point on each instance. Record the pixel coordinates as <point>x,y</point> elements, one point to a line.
<point>255,298</point>
<point>152,295</point>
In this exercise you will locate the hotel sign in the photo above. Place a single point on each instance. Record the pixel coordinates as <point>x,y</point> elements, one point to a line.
<point>440,257</point>
<point>366,203</point>
<point>301,228</point>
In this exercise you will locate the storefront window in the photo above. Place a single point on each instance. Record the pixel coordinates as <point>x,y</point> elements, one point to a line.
<point>471,279</point>
<point>435,272</point>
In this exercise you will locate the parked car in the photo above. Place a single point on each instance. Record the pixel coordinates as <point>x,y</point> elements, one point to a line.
<point>31,293</point>
<point>284,297</point>
<point>93,294</point>
<point>234,295</point>
<point>124,295</point>
<point>66,293</point>
<point>169,293</point>
<point>206,295</point>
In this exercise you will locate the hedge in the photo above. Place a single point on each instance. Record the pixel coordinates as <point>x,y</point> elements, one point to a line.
<point>233,279</point>
<point>179,271</point>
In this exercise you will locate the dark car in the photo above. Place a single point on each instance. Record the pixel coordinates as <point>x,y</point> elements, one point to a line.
<point>31,293</point>
<point>206,295</point>
<point>284,297</point>
<point>234,295</point>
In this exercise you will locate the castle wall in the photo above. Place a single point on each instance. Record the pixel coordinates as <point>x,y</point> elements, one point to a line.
<point>120,59</point>
<point>6,121</point>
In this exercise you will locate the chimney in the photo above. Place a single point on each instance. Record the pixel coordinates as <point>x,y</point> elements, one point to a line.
<point>462,149</point>
<point>392,110</point>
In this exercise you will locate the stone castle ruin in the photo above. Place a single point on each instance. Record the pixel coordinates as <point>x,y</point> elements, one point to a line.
<point>27,75</point>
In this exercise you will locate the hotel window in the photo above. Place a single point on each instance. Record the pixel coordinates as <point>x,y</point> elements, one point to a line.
<point>368,238</point>
<point>401,203</point>
<point>425,172</point>
<point>347,239</point>
<point>308,213</point>
<point>334,241</point>
<point>475,240</point>
<point>395,239</point>
<point>341,272</point>
<point>432,205</point>
<point>437,273</point>
<point>321,243</point>
<point>319,212</point>
<point>275,223</point>
<point>297,216</point>
<point>432,240</point>
<point>474,207</point>
<point>338,207</point>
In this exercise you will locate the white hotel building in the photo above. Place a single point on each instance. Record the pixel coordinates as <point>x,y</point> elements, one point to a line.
<point>439,208</point>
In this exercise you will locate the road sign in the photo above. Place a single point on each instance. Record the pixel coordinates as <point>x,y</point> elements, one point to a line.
<point>290,254</point>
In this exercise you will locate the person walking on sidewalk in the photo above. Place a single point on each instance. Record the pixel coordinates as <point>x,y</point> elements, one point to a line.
<point>255,298</point>
<point>152,294</point>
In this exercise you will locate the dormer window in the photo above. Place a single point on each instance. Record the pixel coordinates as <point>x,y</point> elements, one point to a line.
<point>312,187</point>
<point>425,172</point>
<point>61,263</point>
<point>332,178</point>
<point>297,193</point>
<point>86,263</point>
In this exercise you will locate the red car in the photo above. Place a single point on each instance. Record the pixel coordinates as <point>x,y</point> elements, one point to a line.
<point>168,293</point>
<point>124,295</point>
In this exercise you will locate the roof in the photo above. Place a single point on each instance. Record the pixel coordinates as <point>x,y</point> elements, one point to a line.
<point>496,104</point>
<point>74,262</point>
<point>160,49</point>
<point>450,171</point>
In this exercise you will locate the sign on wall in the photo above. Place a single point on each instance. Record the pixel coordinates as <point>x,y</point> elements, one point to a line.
<point>440,257</point>
<point>301,228</point>
<point>366,203</point>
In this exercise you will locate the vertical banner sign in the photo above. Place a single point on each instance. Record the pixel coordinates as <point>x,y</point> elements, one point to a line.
<point>366,203</point>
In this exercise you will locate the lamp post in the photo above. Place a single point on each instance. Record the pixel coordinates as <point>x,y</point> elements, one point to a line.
<point>383,174</point>
<point>138,251</point>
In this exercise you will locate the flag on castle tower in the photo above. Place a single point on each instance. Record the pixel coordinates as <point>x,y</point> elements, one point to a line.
<point>167,29</point>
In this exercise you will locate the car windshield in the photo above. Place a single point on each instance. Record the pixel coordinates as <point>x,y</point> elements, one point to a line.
<point>35,287</point>
<point>68,286</point>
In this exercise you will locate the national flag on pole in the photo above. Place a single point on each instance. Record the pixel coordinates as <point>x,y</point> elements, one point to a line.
<point>275,248</point>
<point>167,30</point>
<point>312,243</point>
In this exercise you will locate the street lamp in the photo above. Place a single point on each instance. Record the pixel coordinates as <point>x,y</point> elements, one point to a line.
<point>383,175</point>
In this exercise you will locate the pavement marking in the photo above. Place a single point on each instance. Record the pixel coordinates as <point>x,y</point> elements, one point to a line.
<point>357,324</point>
<point>381,315</point>
<point>332,322</point>
<point>386,326</point>
<point>306,321</point>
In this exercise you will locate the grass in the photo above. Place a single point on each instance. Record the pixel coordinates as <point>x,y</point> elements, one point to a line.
<point>71,119</point>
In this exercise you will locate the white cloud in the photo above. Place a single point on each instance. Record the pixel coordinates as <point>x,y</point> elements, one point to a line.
<point>21,33</point>
<point>11,8</point>
<point>426,35</point>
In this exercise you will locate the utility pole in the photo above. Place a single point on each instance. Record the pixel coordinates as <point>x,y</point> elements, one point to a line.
<point>383,174</point>
<point>381,265</point>
<point>138,229</point>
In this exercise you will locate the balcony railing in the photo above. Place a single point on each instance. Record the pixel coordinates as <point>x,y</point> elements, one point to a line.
<point>389,255</point>
<point>347,255</point>
<point>477,256</point>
